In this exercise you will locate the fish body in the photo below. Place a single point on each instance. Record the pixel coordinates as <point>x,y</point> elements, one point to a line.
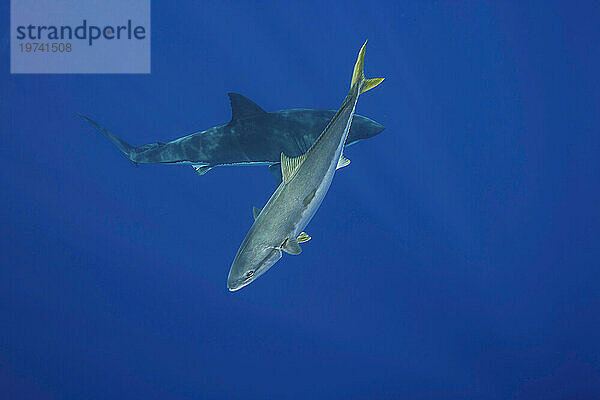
<point>278,227</point>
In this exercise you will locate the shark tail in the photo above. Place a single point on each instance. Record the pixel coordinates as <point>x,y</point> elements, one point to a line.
<point>123,146</point>
<point>358,76</point>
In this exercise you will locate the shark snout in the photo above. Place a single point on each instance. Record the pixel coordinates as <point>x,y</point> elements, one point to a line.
<point>371,128</point>
<point>377,128</point>
<point>363,128</point>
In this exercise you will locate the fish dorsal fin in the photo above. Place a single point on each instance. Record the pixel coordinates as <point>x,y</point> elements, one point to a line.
<point>290,165</point>
<point>255,212</point>
<point>242,107</point>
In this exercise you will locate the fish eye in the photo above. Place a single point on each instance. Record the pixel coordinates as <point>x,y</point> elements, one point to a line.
<point>249,274</point>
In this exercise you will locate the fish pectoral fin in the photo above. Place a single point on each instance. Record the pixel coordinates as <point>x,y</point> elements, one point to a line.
<point>303,237</point>
<point>342,162</point>
<point>201,169</point>
<point>290,165</point>
<point>255,212</point>
<point>291,246</point>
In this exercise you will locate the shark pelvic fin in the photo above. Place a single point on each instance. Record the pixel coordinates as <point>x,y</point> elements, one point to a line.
<point>358,76</point>
<point>289,166</point>
<point>255,212</point>
<point>242,107</point>
<point>291,246</point>
<point>201,169</point>
<point>303,237</point>
<point>342,162</point>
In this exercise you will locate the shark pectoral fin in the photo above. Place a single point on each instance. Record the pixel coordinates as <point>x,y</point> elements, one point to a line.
<point>371,83</point>
<point>290,165</point>
<point>291,247</point>
<point>342,162</point>
<point>201,169</point>
<point>303,237</point>
<point>276,171</point>
<point>255,212</point>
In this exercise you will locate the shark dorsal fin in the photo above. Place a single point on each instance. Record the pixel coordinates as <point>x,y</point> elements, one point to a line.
<point>289,166</point>
<point>242,107</point>
<point>255,212</point>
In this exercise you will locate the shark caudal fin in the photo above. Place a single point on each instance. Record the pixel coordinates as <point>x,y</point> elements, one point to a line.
<point>358,76</point>
<point>125,147</point>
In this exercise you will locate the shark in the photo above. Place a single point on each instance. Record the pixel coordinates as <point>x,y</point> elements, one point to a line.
<point>278,226</point>
<point>252,137</point>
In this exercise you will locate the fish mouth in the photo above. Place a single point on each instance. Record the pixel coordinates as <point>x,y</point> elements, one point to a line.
<point>235,288</point>
<point>235,285</point>
<point>251,275</point>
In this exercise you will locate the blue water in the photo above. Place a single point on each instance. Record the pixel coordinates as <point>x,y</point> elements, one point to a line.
<point>456,257</point>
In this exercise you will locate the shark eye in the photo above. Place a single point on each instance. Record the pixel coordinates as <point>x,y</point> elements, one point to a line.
<point>249,274</point>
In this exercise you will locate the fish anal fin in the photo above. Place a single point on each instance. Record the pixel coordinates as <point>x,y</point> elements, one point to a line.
<point>342,162</point>
<point>291,246</point>
<point>243,107</point>
<point>290,165</point>
<point>303,237</point>
<point>255,212</point>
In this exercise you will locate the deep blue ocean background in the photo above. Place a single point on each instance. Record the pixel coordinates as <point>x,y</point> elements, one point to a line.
<point>457,257</point>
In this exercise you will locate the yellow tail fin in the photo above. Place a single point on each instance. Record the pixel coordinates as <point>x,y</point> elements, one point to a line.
<point>358,75</point>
